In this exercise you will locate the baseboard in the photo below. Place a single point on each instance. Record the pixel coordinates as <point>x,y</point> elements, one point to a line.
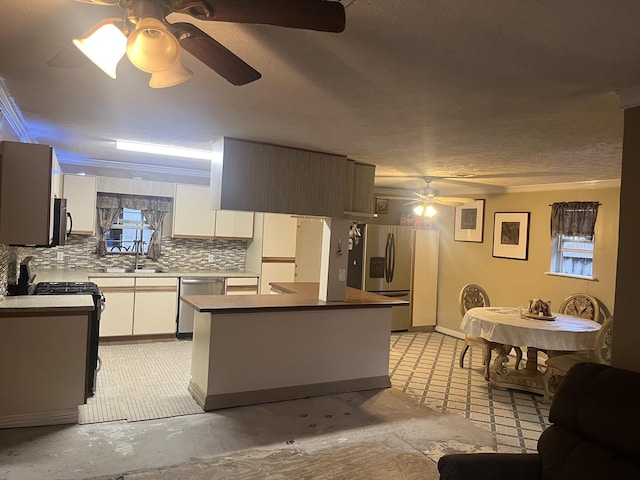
<point>236,399</point>
<point>451,333</point>
<point>423,328</point>
<point>39,419</point>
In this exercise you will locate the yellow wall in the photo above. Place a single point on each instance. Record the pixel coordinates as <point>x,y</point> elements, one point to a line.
<point>513,282</point>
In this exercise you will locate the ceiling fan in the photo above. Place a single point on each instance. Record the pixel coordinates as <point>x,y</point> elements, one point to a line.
<point>154,45</point>
<point>430,195</point>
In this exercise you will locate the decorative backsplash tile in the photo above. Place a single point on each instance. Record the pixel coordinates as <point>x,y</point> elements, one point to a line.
<point>187,254</point>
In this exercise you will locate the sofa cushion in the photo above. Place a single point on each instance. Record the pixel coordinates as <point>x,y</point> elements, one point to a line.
<point>596,417</point>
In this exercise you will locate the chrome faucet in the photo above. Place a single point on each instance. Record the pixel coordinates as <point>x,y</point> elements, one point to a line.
<point>139,244</point>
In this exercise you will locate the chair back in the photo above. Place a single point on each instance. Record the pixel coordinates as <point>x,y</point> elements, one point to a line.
<point>471,296</point>
<point>603,342</point>
<point>581,305</point>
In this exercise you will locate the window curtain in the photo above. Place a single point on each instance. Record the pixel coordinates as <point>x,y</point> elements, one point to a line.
<point>574,218</point>
<point>108,210</point>
<point>154,219</point>
<point>154,210</point>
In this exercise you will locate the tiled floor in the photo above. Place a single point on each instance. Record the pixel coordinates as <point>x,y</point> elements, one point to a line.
<point>425,366</point>
<point>141,382</point>
<point>149,381</point>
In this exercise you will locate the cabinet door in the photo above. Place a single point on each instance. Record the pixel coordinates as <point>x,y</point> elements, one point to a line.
<point>276,272</point>
<point>191,215</point>
<point>80,192</point>
<point>279,236</point>
<point>117,317</point>
<point>156,306</point>
<point>234,224</point>
<point>27,189</point>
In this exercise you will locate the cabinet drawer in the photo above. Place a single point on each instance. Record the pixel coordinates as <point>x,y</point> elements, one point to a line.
<point>156,282</point>
<point>241,282</point>
<point>113,281</point>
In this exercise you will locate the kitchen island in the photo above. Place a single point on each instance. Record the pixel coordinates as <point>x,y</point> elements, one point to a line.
<point>266,348</point>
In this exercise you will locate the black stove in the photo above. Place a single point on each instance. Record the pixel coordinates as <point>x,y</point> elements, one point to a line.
<point>81,288</point>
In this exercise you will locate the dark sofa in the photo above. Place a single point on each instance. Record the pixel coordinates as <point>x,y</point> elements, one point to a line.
<point>595,434</point>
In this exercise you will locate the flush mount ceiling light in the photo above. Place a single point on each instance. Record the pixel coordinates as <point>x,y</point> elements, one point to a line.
<point>169,150</point>
<point>154,45</point>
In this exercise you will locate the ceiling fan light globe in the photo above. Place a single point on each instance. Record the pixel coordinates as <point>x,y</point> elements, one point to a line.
<point>423,210</point>
<point>104,45</point>
<point>151,47</point>
<point>170,77</point>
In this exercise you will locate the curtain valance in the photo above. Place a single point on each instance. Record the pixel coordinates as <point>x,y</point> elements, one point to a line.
<point>136,202</point>
<point>574,218</point>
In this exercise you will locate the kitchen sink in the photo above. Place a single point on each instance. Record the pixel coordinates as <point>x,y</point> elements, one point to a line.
<point>131,270</point>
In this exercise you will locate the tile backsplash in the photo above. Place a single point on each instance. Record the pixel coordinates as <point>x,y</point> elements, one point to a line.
<point>177,253</point>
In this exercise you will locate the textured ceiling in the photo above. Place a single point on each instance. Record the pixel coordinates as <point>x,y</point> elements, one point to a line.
<point>515,93</point>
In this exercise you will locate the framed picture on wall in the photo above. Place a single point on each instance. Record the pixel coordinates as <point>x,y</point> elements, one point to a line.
<point>469,225</point>
<point>382,205</point>
<point>511,235</point>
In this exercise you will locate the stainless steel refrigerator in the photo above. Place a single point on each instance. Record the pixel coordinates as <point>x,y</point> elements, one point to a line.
<point>380,262</point>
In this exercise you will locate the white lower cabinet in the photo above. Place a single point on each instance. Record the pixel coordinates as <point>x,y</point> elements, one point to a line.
<point>156,306</point>
<point>276,272</point>
<point>117,317</point>
<point>138,305</point>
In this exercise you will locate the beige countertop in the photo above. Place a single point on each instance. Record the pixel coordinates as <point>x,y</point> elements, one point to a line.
<point>297,296</point>
<point>83,274</point>
<point>45,304</point>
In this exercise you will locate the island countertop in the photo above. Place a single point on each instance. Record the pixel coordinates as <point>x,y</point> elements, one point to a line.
<point>297,296</point>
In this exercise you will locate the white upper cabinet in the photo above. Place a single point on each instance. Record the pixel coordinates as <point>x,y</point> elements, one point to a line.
<point>232,224</point>
<point>193,219</point>
<point>191,215</point>
<point>279,236</point>
<point>80,192</point>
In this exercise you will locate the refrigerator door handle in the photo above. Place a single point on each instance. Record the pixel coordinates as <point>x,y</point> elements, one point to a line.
<point>393,257</point>
<point>387,257</point>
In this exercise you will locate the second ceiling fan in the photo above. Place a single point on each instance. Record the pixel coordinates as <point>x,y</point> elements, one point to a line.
<point>154,45</point>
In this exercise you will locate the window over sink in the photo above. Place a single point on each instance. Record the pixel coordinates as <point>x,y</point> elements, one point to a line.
<point>130,233</point>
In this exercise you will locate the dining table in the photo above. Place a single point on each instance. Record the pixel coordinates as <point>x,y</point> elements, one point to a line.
<point>508,327</point>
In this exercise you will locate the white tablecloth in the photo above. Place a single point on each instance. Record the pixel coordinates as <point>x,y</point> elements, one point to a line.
<point>504,325</point>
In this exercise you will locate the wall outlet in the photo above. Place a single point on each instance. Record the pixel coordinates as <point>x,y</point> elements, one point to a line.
<point>211,258</point>
<point>60,256</point>
<point>342,275</point>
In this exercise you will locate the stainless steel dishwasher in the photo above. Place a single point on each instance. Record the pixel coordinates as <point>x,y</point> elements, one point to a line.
<point>195,286</point>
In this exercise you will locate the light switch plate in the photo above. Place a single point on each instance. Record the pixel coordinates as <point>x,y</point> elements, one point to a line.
<point>211,258</point>
<point>60,256</point>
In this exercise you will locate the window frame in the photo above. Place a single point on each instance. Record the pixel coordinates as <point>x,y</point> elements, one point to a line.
<point>126,224</point>
<point>556,263</point>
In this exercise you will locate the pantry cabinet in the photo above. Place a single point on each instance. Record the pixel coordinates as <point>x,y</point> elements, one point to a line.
<point>273,249</point>
<point>80,192</point>
<point>138,305</point>
<point>193,219</point>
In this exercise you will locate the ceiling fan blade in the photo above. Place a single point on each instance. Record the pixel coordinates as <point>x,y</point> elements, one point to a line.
<point>214,55</point>
<point>321,15</point>
<point>107,3</point>
<point>68,57</point>
<point>460,200</point>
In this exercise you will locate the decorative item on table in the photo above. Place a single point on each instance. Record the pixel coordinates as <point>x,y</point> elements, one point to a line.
<point>540,309</point>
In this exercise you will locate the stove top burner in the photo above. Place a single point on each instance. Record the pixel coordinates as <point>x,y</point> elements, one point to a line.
<point>68,288</point>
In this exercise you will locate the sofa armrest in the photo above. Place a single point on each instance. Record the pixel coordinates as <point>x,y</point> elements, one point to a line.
<point>480,466</point>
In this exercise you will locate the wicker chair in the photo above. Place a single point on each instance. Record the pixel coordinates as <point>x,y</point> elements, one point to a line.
<point>559,365</point>
<point>581,305</point>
